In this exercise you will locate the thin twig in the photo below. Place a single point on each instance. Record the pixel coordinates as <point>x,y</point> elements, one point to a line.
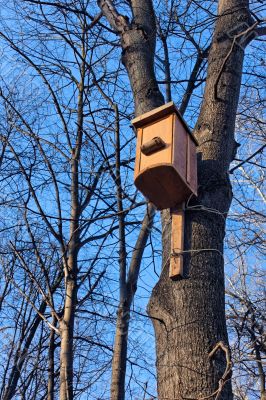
<point>260,150</point>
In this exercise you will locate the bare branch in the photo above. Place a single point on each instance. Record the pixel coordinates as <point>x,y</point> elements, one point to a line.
<point>117,21</point>
<point>260,150</point>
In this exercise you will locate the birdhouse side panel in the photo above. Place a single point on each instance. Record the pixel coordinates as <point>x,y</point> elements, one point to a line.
<point>180,148</point>
<point>192,166</point>
<point>138,151</point>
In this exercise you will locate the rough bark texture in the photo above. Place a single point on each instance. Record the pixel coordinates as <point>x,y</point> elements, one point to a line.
<point>123,316</point>
<point>138,46</point>
<point>120,354</point>
<point>51,369</point>
<point>193,309</point>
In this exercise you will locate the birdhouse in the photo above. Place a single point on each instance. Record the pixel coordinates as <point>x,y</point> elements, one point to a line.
<point>166,163</point>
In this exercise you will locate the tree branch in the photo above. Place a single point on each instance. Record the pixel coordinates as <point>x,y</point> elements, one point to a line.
<point>261,31</point>
<point>139,248</point>
<point>260,150</point>
<point>117,21</point>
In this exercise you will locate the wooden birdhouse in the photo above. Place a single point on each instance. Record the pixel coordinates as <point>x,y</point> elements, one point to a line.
<point>166,164</point>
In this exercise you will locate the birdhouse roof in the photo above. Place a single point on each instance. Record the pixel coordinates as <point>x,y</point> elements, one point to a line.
<point>158,113</point>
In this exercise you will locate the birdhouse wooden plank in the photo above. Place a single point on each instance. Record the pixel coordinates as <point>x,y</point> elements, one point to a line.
<point>166,167</point>
<point>177,244</point>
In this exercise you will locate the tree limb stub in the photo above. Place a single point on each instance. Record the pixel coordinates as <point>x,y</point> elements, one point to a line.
<point>228,369</point>
<point>117,21</point>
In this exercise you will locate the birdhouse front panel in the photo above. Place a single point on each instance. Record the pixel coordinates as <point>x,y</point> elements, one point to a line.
<point>163,155</point>
<point>165,169</point>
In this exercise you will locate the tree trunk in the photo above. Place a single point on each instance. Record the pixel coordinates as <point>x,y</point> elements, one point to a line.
<point>67,323</point>
<point>120,354</point>
<point>138,44</point>
<point>71,265</point>
<point>193,309</point>
<point>20,357</point>
<point>51,372</point>
<point>66,352</point>
<point>123,316</point>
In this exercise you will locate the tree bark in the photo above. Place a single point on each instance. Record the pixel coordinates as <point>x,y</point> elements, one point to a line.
<point>71,265</point>
<point>119,361</point>
<point>193,309</point>
<point>138,40</point>
<point>66,351</point>
<point>51,372</point>
<point>138,47</point>
<point>123,316</point>
<point>66,324</point>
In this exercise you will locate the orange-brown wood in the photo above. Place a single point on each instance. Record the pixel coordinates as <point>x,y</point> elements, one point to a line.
<point>163,129</point>
<point>192,165</point>
<point>179,148</point>
<point>162,185</point>
<point>177,244</point>
<point>167,176</point>
<point>158,113</point>
<point>166,173</point>
<point>154,115</point>
<point>137,160</point>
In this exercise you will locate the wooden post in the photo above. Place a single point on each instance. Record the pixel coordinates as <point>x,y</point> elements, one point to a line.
<point>177,243</point>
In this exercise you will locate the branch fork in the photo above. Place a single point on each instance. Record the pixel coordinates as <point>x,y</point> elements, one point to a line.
<point>116,20</point>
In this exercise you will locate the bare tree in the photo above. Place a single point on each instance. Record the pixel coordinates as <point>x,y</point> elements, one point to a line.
<point>192,311</point>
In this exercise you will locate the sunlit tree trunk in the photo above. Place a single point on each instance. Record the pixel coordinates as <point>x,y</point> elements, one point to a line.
<point>138,44</point>
<point>71,265</point>
<point>123,316</point>
<point>192,311</point>
<point>51,370</point>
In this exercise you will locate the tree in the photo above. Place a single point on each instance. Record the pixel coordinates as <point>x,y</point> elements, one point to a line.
<point>51,163</point>
<point>197,302</point>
